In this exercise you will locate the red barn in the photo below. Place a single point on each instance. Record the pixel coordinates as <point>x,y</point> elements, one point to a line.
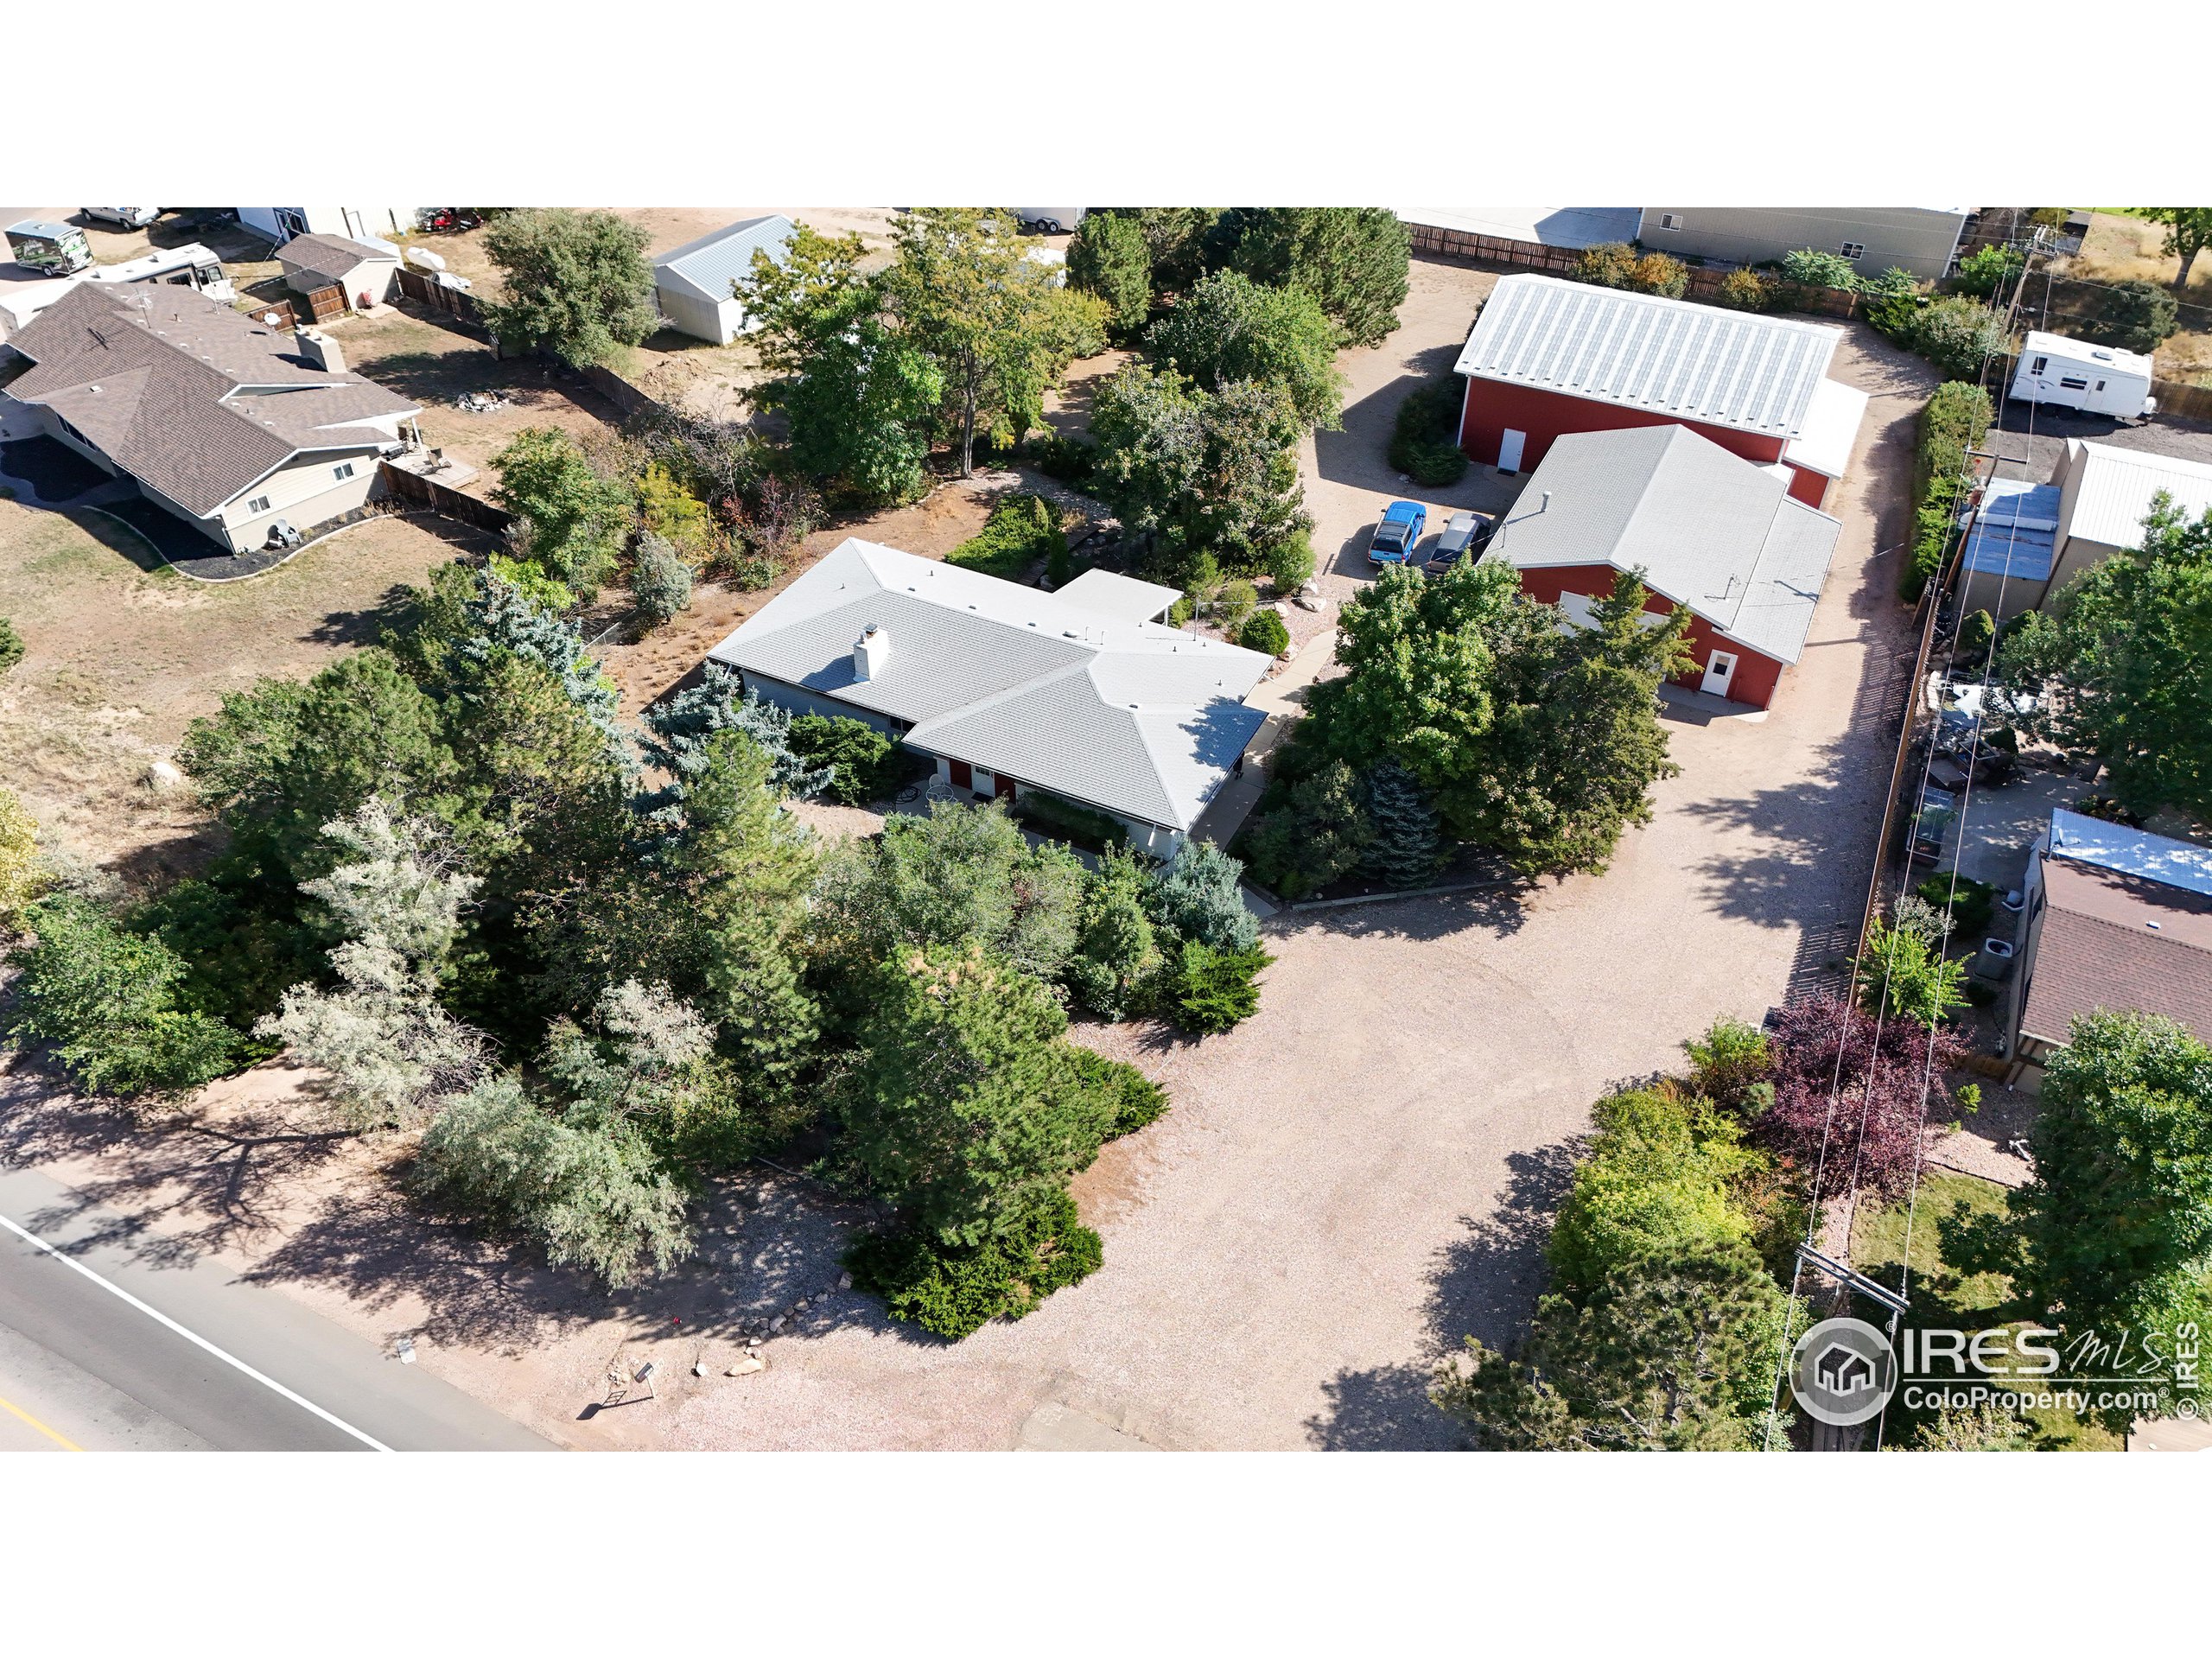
<point>1549,357</point>
<point>1702,528</point>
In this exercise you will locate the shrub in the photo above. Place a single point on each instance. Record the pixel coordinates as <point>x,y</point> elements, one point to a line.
<point>591,1192</point>
<point>864,763</point>
<point>1658,1182</point>
<point>1661,274</point>
<point>11,646</point>
<point>1909,976</point>
<point>1021,533</point>
<point>1971,905</point>
<point>2135,316</point>
<point>953,1291</point>
<point>105,1000</point>
<point>1976,630</point>
<point>1315,832</point>
<point>1955,421</point>
<point>1609,265</point>
<point>1200,896</point>
<point>1817,267</point>
<point>1834,1088</point>
<point>1955,334</point>
<point>20,879</point>
<point>1728,1062</point>
<point>1986,271</point>
<point>673,512</point>
<point>1893,283</point>
<point>1137,1099</point>
<point>1235,605</point>
<point>1746,290</point>
<point>1071,460</point>
<point>1084,826</point>
<point>1265,631</point>
<point>1290,562</point>
<point>1211,991</point>
<point>660,581</point>
<point>1425,441</point>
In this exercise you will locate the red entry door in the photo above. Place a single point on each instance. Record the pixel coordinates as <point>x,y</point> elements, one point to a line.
<point>961,777</point>
<point>1002,786</point>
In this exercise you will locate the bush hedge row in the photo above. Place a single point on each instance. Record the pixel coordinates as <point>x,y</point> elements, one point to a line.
<point>1955,421</point>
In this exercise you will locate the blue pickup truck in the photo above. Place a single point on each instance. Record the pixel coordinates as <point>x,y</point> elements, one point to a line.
<point>1397,535</point>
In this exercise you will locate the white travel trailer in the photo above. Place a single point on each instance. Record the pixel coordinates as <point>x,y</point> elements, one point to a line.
<point>193,266</point>
<point>2074,374</point>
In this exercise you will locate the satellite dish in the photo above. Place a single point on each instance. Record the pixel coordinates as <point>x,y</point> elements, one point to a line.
<point>423,259</point>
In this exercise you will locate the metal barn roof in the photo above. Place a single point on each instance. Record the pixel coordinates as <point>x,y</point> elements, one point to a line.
<point>705,268</point>
<point>2014,533</point>
<point>1692,362</point>
<point>2132,852</point>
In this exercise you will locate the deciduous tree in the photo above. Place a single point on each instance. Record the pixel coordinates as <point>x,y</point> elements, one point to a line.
<point>1354,261</point>
<point>2189,233</point>
<point>1229,328</point>
<point>575,284</point>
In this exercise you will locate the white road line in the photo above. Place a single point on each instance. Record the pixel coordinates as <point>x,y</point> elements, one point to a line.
<point>232,1360</point>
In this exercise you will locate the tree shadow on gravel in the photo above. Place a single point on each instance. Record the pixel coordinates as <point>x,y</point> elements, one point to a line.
<point>1484,1284</point>
<point>178,1187</point>
<point>1500,912</point>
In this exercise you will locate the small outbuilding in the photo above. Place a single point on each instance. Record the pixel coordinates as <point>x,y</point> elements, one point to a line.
<point>364,272</point>
<point>694,284</point>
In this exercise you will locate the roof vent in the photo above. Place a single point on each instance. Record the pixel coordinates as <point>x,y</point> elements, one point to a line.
<point>870,652</point>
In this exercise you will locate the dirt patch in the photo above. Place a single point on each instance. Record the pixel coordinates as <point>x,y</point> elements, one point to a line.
<point>121,657</point>
<point>2120,249</point>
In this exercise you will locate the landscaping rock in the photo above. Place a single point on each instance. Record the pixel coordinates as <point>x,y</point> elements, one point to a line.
<point>1306,602</point>
<point>748,1366</point>
<point>844,1281</point>
<point>776,1323</point>
<point>163,776</point>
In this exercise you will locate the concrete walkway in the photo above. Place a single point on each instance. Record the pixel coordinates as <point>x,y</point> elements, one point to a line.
<point>1283,698</point>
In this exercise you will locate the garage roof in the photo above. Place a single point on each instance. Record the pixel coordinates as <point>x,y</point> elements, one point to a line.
<point>1705,529</point>
<point>1692,362</point>
<point>705,268</point>
<point>1119,713</point>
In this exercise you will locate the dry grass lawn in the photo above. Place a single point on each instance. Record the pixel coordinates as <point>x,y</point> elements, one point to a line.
<point>121,657</point>
<point>2120,249</point>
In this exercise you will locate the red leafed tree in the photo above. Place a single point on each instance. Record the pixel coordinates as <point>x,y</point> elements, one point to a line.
<point>1877,1110</point>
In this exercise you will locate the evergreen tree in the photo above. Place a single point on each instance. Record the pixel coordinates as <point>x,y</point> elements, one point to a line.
<point>1353,261</point>
<point>660,581</point>
<point>1115,952</point>
<point>1107,256</point>
<point>1200,896</point>
<point>1408,848</point>
<point>677,731</point>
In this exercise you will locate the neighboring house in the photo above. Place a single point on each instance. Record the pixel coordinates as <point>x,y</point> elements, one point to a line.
<point>1923,240</point>
<point>281,225</point>
<point>1549,356</point>
<point>358,268</point>
<point>2115,919</point>
<point>208,410</point>
<point>1010,689</point>
<point>693,285</point>
<point>2029,541</point>
<point>1703,529</point>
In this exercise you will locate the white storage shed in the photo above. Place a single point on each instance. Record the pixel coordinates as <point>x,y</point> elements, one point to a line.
<point>2074,374</point>
<point>692,283</point>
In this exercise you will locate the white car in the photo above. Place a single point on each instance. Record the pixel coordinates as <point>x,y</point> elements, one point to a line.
<point>125,219</point>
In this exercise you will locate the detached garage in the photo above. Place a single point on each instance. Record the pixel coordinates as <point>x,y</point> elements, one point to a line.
<point>693,285</point>
<point>1549,357</point>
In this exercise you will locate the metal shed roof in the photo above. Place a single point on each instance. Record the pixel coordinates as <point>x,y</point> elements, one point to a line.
<point>705,268</point>
<point>2014,533</point>
<point>2132,852</point>
<point>2117,486</point>
<point>1692,362</point>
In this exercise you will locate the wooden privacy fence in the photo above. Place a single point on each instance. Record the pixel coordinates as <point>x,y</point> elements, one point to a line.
<point>631,400</point>
<point>1705,281</point>
<point>442,499</point>
<point>419,286</point>
<point>322,304</point>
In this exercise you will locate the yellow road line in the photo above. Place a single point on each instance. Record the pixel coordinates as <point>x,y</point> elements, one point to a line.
<point>66,1444</point>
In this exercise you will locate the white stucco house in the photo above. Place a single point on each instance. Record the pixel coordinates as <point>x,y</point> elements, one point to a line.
<point>220,420</point>
<point>692,283</point>
<point>1081,694</point>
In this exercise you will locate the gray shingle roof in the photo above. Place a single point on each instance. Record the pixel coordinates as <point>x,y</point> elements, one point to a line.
<point>153,377</point>
<point>1127,715</point>
<point>331,256</point>
<point>1692,362</point>
<point>1708,529</point>
<point>705,268</point>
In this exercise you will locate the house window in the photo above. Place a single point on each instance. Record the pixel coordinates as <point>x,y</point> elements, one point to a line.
<point>292,222</point>
<point>343,469</point>
<point>1854,250</point>
<point>1670,221</point>
<point>259,504</point>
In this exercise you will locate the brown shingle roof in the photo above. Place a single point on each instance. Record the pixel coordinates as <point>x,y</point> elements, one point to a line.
<point>154,380</point>
<point>2116,941</point>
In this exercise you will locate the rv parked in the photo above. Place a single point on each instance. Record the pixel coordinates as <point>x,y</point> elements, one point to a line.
<point>2074,374</point>
<point>190,266</point>
<point>49,249</point>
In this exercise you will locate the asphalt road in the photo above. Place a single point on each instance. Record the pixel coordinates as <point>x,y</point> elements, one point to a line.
<point>83,1367</point>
